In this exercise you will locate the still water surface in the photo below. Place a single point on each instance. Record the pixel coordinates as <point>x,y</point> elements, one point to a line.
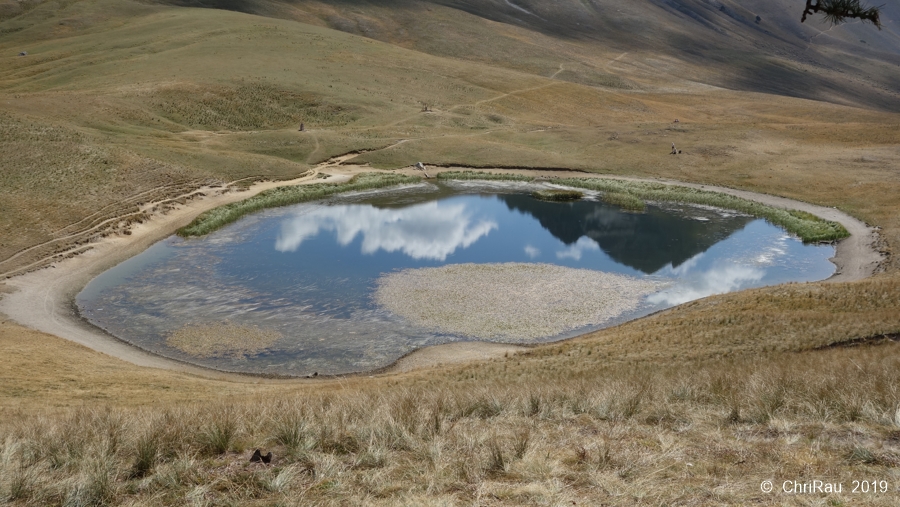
<point>308,271</point>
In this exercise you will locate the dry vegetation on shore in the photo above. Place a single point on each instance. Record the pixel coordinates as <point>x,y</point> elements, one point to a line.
<point>696,432</point>
<point>674,408</point>
<point>284,196</point>
<point>121,105</point>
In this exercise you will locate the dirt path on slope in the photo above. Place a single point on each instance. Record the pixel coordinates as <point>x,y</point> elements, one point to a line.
<point>44,299</point>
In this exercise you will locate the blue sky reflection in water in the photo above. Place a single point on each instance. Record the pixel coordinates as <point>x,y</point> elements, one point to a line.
<point>308,271</point>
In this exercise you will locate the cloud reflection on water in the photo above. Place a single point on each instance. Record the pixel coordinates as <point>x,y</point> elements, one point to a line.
<point>575,251</point>
<point>718,279</point>
<point>432,230</point>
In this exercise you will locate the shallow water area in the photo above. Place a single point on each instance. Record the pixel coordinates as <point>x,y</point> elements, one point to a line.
<point>291,291</point>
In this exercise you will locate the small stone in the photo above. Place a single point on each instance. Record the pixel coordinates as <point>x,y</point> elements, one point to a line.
<point>258,457</point>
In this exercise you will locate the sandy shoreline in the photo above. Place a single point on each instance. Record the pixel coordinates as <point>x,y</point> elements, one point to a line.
<point>44,299</point>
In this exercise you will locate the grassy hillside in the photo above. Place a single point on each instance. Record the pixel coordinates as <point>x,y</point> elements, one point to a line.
<point>140,101</point>
<point>126,102</point>
<point>627,416</point>
<point>119,104</point>
<point>719,43</point>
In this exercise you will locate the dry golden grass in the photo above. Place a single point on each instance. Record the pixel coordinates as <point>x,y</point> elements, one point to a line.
<point>792,317</point>
<point>43,373</point>
<point>702,432</point>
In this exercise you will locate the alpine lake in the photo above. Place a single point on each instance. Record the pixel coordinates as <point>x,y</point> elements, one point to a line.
<point>344,285</point>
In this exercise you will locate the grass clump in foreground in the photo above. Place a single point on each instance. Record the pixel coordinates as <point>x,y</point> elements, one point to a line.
<point>283,196</point>
<point>523,435</point>
<point>810,228</point>
<point>557,195</point>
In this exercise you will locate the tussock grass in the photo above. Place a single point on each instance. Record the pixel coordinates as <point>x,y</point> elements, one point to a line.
<point>807,227</point>
<point>287,195</point>
<point>451,437</point>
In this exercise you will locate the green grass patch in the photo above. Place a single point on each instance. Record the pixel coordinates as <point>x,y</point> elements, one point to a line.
<point>251,106</point>
<point>557,195</point>
<point>808,227</point>
<point>283,196</point>
<point>476,175</point>
<point>625,201</point>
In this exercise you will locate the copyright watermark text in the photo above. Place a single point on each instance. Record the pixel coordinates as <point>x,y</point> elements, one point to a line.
<point>815,487</point>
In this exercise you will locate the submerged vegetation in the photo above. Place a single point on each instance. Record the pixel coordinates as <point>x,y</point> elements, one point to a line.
<point>287,195</point>
<point>512,302</point>
<point>222,340</point>
<point>807,227</point>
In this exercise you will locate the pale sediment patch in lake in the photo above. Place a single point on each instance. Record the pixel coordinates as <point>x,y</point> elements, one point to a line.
<point>510,301</point>
<point>222,340</point>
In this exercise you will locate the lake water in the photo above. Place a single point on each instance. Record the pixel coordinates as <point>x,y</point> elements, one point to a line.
<point>308,271</point>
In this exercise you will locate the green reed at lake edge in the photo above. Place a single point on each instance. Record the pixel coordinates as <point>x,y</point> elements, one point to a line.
<point>628,202</point>
<point>628,194</point>
<point>808,227</point>
<point>557,195</point>
<point>217,218</point>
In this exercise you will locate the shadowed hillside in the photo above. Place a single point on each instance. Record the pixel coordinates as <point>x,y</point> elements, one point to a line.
<point>757,45</point>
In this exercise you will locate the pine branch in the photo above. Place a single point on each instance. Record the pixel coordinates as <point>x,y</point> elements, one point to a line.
<point>838,11</point>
